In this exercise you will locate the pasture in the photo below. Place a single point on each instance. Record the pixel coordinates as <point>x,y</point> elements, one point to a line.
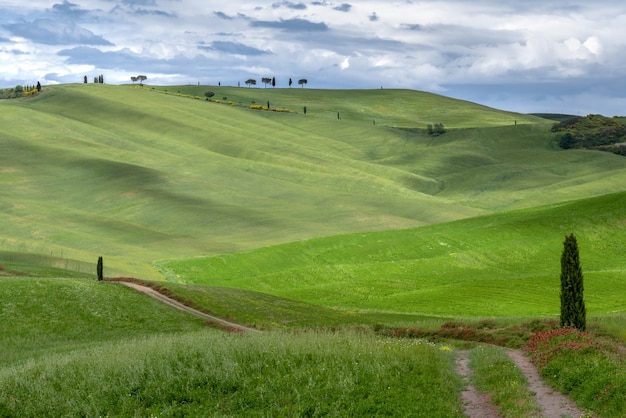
<point>139,177</point>
<point>321,230</point>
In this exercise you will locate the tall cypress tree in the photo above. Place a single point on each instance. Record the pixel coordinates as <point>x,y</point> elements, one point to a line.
<point>573,313</point>
<point>99,269</point>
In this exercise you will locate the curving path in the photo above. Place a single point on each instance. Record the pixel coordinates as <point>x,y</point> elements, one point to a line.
<point>153,293</point>
<point>552,402</point>
<point>476,404</point>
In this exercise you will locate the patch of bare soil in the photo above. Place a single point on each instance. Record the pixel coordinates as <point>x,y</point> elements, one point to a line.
<point>475,404</point>
<point>153,293</point>
<point>553,403</point>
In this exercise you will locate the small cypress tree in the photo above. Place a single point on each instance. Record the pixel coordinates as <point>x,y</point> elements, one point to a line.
<point>573,313</point>
<point>100,269</point>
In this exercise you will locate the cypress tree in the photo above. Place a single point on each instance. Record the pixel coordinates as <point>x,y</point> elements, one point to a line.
<point>100,269</point>
<point>573,313</point>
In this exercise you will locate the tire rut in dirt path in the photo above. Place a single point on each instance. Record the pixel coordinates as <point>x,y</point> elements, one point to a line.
<point>174,303</point>
<point>553,403</point>
<point>475,403</point>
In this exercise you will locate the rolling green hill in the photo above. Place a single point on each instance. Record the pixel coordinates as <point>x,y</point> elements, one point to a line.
<point>497,265</point>
<point>282,220</point>
<point>389,107</point>
<point>139,176</point>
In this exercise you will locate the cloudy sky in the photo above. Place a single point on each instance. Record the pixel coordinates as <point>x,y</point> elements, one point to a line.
<point>526,56</point>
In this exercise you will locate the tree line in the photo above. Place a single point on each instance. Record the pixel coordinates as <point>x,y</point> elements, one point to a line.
<point>20,91</point>
<point>97,79</point>
<point>272,80</point>
<point>593,132</point>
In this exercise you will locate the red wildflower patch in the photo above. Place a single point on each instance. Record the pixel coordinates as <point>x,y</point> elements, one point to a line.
<point>544,346</point>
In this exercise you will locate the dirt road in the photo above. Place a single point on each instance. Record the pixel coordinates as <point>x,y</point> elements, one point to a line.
<point>478,405</point>
<point>153,293</point>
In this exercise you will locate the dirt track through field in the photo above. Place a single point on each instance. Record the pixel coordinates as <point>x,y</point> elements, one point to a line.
<point>475,403</point>
<point>478,405</point>
<point>153,293</point>
<point>552,402</point>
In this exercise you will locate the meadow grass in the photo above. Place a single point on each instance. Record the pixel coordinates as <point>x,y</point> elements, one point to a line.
<point>612,324</point>
<point>39,316</point>
<point>214,374</point>
<point>495,373</point>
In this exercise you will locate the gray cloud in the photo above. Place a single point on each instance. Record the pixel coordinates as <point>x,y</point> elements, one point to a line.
<point>223,15</point>
<point>69,9</point>
<point>84,55</point>
<point>233,48</point>
<point>289,5</point>
<point>55,32</point>
<point>345,7</point>
<point>140,2</point>
<point>144,12</point>
<point>291,25</point>
<point>373,17</point>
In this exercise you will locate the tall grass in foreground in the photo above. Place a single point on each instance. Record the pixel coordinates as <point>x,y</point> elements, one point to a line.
<point>214,374</point>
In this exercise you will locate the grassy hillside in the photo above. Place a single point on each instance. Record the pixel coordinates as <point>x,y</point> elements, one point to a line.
<point>498,265</point>
<point>84,348</point>
<point>138,176</point>
<point>388,107</point>
<point>40,317</point>
<point>308,221</point>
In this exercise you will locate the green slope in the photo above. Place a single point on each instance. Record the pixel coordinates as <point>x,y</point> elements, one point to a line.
<point>42,316</point>
<point>497,265</point>
<point>388,107</point>
<point>138,176</point>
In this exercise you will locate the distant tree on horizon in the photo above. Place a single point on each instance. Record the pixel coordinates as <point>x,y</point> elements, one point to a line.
<point>302,82</point>
<point>266,81</point>
<point>85,80</point>
<point>273,81</point>
<point>290,83</point>
<point>133,79</point>
<point>38,86</point>
<point>251,82</point>
<point>141,79</point>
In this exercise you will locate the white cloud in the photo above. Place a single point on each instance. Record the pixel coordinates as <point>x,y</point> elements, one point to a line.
<point>345,64</point>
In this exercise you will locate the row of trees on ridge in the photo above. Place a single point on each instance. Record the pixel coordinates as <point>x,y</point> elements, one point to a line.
<point>97,79</point>
<point>272,81</point>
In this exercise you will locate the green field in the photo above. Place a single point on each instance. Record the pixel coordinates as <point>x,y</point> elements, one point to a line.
<point>510,260</point>
<point>139,176</point>
<point>292,223</point>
